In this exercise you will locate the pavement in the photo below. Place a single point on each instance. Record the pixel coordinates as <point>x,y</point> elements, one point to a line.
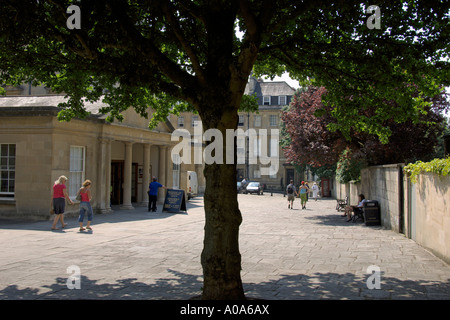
<point>287,254</point>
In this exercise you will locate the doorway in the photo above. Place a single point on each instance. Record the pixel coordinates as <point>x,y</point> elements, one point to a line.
<point>117,182</point>
<point>117,179</point>
<point>290,175</point>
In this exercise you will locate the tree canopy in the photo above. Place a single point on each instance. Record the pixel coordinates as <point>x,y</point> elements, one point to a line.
<point>161,53</point>
<point>311,143</point>
<point>171,55</point>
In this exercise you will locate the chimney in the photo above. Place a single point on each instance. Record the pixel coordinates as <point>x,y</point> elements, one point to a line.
<point>252,83</point>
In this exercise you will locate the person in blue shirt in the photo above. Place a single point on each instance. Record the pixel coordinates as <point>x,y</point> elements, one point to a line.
<point>153,194</point>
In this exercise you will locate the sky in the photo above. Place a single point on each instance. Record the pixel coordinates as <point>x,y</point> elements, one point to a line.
<point>285,77</point>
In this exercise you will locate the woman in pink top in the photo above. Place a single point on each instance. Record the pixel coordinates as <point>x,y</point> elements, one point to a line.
<point>85,205</point>
<point>59,196</point>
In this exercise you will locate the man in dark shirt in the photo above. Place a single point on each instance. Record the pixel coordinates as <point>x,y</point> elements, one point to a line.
<point>291,192</point>
<point>153,194</point>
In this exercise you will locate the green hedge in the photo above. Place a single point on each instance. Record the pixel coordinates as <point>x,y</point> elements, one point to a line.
<point>440,167</point>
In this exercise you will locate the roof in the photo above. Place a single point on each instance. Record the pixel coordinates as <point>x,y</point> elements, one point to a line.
<point>48,105</point>
<point>280,88</point>
<point>272,88</point>
<point>44,102</point>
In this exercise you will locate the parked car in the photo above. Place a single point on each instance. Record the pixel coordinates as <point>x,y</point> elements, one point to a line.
<point>254,187</point>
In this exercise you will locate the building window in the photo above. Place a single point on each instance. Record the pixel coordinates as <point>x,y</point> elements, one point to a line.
<point>241,120</point>
<point>195,121</point>
<point>240,154</point>
<point>273,147</point>
<point>76,169</point>
<point>282,100</point>
<point>180,121</point>
<point>257,121</point>
<point>257,147</point>
<point>7,169</point>
<point>256,172</point>
<point>273,120</point>
<point>266,100</point>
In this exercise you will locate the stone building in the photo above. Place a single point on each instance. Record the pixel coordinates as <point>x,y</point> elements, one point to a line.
<point>119,158</point>
<point>272,97</point>
<point>192,123</point>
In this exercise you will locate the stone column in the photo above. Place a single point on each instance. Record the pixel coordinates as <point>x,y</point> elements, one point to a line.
<point>101,178</point>
<point>162,172</point>
<point>145,175</point>
<point>127,176</point>
<point>108,176</point>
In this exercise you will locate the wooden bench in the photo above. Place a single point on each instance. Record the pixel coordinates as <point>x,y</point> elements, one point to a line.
<point>341,203</point>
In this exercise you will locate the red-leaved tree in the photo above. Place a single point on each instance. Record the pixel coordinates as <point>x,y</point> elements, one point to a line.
<point>312,143</point>
<point>310,140</point>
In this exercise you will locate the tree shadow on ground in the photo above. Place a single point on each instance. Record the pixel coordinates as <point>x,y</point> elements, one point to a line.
<point>117,216</point>
<point>174,287</point>
<point>181,286</point>
<point>336,220</point>
<point>347,286</point>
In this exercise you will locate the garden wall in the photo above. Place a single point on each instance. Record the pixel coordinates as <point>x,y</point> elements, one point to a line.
<point>421,211</point>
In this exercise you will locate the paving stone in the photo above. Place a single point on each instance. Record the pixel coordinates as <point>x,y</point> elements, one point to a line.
<point>286,255</point>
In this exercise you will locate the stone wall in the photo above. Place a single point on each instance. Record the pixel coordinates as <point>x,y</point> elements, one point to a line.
<point>421,211</point>
<point>382,183</point>
<point>429,206</point>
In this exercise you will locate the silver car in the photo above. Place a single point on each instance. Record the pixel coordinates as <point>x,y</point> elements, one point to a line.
<point>254,187</point>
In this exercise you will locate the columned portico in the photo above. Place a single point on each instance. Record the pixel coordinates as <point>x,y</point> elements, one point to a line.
<point>127,176</point>
<point>119,157</point>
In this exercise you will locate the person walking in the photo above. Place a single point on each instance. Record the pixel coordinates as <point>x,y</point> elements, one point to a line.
<point>291,192</point>
<point>303,194</point>
<point>85,205</point>
<point>315,190</point>
<point>59,196</point>
<point>153,194</point>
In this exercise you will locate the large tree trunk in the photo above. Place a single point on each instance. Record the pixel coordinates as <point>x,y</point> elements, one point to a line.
<point>221,259</point>
<point>218,103</point>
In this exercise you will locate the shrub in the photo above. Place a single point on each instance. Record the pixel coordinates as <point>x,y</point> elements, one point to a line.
<point>441,167</point>
<point>348,167</point>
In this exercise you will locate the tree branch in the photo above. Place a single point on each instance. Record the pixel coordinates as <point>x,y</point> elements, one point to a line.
<point>192,10</point>
<point>184,44</point>
<point>150,52</point>
<point>252,39</point>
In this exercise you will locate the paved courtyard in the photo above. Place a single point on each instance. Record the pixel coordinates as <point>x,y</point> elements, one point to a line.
<point>286,255</point>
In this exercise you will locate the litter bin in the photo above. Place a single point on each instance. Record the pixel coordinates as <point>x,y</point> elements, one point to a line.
<point>371,211</point>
